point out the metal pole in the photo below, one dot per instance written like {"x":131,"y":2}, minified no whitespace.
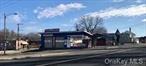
{"x":5,"y":33}
{"x":18,"y":34}
{"x":5,"y":36}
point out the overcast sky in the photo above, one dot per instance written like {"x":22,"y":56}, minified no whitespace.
{"x":37,"y":15}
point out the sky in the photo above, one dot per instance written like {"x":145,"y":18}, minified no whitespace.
{"x":37,"y":15}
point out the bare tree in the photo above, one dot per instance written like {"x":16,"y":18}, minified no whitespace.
{"x":33,"y":36}
{"x":11,"y":35}
{"x":90,"y":24}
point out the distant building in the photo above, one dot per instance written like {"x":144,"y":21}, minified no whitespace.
{"x":110,"y":39}
{"x":21,"y":44}
{"x":34,"y":43}
{"x":54,"y":38}
{"x":99,"y":40}
{"x":124,"y":38}
{"x":142,"y":39}
{"x":68,"y":39}
{"x":14,"y":45}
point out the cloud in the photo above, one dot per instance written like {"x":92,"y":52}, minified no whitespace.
{"x":144,"y":20}
{"x":136,"y":1}
{"x":139,"y":1}
{"x":33,"y":22}
{"x":118,"y":0}
{"x":29,"y":29}
{"x":66,"y":25}
{"x":16,"y":18}
{"x":74,"y":20}
{"x":37,"y":9}
{"x":125,"y":12}
{"x":56,"y":11}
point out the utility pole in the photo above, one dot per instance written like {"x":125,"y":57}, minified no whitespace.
{"x":5,"y":36}
{"x":18,"y":36}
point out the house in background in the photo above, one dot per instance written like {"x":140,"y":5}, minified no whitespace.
{"x":108,"y":39}
{"x":98,"y":40}
{"x":124,"y":38}
{"x":34,"y":43}
{"x":54,"y":38}
{"x":142,"y":39}
{"x":21,"y":44}
{"x":15,"y":45}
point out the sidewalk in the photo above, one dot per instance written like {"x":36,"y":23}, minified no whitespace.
{"x":125,"y":46}
{"x":50,"y":53}
{"x":9,"y":52}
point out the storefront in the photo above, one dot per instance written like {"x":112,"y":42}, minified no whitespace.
{"x":68,"y":39}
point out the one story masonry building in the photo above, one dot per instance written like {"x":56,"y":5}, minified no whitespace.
{"x":53,"y":38}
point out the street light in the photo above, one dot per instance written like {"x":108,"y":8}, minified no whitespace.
{"x":5,"y":35}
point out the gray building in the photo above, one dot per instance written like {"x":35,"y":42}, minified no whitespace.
{"x":68,"y":39}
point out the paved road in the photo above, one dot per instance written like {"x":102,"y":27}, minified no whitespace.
{"x":31,"y":61}
{"x":98,"y":58}
{"x":134,"y":57}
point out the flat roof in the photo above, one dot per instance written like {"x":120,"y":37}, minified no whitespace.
{"x":68,"y":33}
